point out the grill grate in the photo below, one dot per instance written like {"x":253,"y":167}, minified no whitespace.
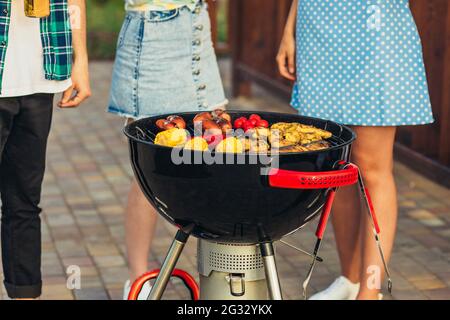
{"x":148,"y":133}
{"x":148,"y":136}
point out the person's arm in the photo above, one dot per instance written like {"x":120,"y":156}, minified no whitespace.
{"x":286,"y":53}
{"x":80,"y":70}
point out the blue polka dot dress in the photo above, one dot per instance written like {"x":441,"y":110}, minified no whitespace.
{"x":359,"y":62}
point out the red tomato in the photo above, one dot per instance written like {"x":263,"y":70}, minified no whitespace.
{"x":255,"y":116}
{"x":238,"y":123}
{"x":263,"y":124}
{"x":254,"y":122}
{"x":249,"y":123}
{"x":247,"y":126}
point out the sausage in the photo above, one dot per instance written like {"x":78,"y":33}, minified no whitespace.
{"x":224,"y":125}
{"x":165,"y":124}
{"x":177,"y":121}
{"x":211,"y":127}
{"x":203,"y":116}
{"x":221,"y":114}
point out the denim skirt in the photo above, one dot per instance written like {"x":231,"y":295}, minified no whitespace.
{"x":165,"y":63}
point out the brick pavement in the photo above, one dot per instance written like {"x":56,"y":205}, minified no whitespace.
{"x":85,"y":193}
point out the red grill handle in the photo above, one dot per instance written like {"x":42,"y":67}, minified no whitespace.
{"x":279,"y":178}
{"x":325,"y":214}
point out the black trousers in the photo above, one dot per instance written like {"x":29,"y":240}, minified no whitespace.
{"x":24,"y":128}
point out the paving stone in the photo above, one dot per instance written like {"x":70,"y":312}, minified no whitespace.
{"x":87,"y":271}
{"x":53,"y":293}
{"x":90,"y":280}
{"x":78,"y":261}
{"x":70,"y":248}
{"x":409,"y":295}
{"x":115,"y":294}
{"x":438,"y":294}
{"x":102,"y":249}
{"x":428,"y":284}
{"x":60,"y":220}
{"x":91,"y":294}
{"x":53,"y":270}
{"x":109,"y":261}
{"x":70,"y":232}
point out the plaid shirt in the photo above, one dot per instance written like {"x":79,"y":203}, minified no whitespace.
{"x":56,"y":37}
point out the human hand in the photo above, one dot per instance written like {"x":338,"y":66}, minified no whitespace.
{"x":286,"y":56}
{"x":80,"y":86}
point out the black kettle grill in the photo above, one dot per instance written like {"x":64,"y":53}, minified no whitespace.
{"x":240,"y":203}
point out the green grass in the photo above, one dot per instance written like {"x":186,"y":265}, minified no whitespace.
{"x":222,"y":22}
{"x":104,"y":19}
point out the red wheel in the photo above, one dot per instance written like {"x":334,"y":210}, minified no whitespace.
{"x":187,"y":279}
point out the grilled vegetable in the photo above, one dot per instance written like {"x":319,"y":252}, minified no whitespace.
{"x":256,"y":146}
{"x":319,"y":145}
{"x":197,"y":144}
{"x":172,"y":138}
{"x":230,"y":145}
{"x":291,"y":134}
{"x":302,"y":129}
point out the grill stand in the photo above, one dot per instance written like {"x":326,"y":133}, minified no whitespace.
{"x":175,"y":250}
{"x":231,"y":271}
{"x":168,"y":266}
{"x":270,"y":267}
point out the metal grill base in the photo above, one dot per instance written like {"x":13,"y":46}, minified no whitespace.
{"x":230,"y":258}
{"x":219,"y":263}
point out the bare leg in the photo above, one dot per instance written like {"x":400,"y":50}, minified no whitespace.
{"x":373,"y":153}
{"x":346,"y":220}
{"x":140,"y":227}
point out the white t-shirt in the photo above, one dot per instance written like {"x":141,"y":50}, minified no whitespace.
{"x":24,"y":62}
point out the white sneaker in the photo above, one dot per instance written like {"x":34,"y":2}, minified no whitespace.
{"x":340,"y":289}
{"x":143,"y":295}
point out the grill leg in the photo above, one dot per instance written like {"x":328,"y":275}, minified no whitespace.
{"x":169,"y":265}
{"x":270,"y":267}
